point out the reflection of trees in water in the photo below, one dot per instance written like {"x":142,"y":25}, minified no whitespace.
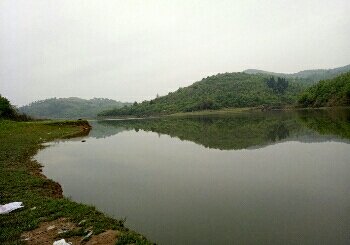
{"x":243,"y":130}
{"x":278,"y":132}
{"x":103,"y":130}
{"x":327,"y":122}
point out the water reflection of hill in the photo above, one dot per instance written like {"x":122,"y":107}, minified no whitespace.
{"x":334,"y":122}
{"x":103,"y":130}
{"x":241,"y":131}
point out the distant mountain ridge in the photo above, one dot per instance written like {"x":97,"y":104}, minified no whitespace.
{"x":310,"y":76}
{"x":71,"y":107}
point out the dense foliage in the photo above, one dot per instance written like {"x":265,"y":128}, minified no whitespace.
{"x":307,"y":76}
{"x":279,"y":86}
{"x":8,"y":111}
{"x":216,"y":92}
{"x":333,"y":92}
{"x":69,"y":107}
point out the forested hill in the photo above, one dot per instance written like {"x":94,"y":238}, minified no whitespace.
{"x":332,"y":92}
{"x":216,"y":92}
{"x":309,"y":76}
{"x":69,"y":107}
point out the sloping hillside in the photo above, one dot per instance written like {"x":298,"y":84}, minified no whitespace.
{"x":69,"y":107}
{"x":333,"y":92}
{"x":309,"y":76}
{"x":216,"y":92}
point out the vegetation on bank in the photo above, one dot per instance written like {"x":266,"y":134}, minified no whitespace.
{"x":217,"y":92}
{"x":72,"y":108}
{"x":21,"y":180}
{"x":8,"y":111}
{"x":224,"y":111}
{"x":333,"y":92}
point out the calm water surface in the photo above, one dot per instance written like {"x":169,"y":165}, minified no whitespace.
{"x":254,"y":178}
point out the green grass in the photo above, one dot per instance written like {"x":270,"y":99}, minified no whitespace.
{"x":20,"y":180}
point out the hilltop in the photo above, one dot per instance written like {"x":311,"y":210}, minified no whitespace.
{"x":309,"y":76}
{"x":216,"y":92}
{"x":332,"y":92}
{"x":69,"y":107}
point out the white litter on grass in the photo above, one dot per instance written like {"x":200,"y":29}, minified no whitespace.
{"x":61,"y":242}
{"x":9,"y":207}
{"x":62,"y":231}
{"x":51,"y":227}
{"x":82,"y":222}
{"x":88,"y":235}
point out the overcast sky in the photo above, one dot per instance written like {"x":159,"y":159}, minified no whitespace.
{"x":131,"y":50}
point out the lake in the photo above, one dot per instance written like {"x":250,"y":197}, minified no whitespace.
{"x":249,"y":178}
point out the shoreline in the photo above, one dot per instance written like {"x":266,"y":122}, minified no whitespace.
{"x":224,"y":111}
{"x":21,"y":179}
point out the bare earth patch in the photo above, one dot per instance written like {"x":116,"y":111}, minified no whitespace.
{"x":108,"y":237}
{"x":48,"y":232}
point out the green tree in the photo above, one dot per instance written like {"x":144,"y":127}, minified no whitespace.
{"x":332,"y":92}
{"x":6,"y":109}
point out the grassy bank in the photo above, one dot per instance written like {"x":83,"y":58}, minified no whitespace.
{"x":214,"y":112}
{"x":228,"y":111}
{"x":21,"y":180}
{"x":193,"y":113}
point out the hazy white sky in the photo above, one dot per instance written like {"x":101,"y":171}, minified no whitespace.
{"x":131,"y":50}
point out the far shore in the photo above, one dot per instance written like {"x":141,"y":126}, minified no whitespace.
{"x":224,"y":111}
